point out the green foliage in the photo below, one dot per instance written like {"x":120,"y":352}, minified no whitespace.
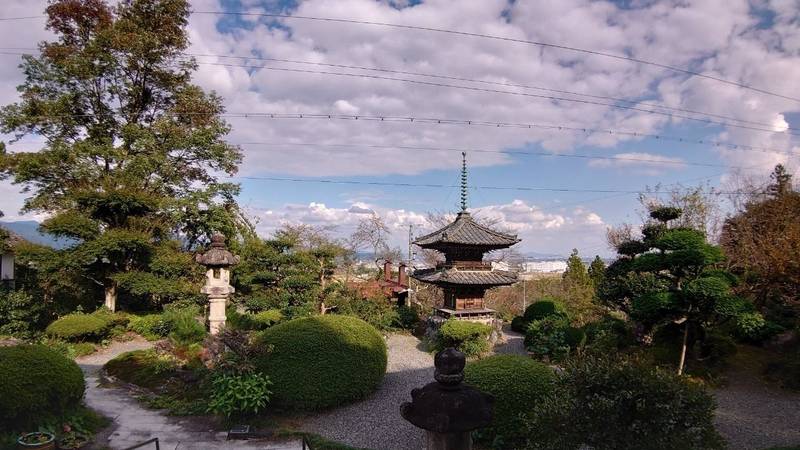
{"x":519,"y":324}
{"x":608,"y":404}
{"x":576,"y":272}
{"x":249,"y":321}
{"x":145,"y":368}
{"x":471,"y":338}
{"x":322,"y":361}
{"x":37,"y":383}
{"x":546,"y":307}
{"x":140,"y":166}
{"x":184,"y":327}
{"x":753,"y":327}
{"x":407,"y":318}
{"x":597,"y":271}
{"x":547,"y":337}
{"x":150,"y":326}
{"x":79,"y":327}
{"x":21,"y":314}
{"x":376,"y":311}
{"x":666,"y":213}
{"x":517,"y":383}
{"x":239,"y":394}
{"x":607,"y":336}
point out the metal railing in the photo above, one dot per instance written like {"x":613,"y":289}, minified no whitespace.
{"x":142,"y":444}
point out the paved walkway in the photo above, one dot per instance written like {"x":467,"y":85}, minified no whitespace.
{"x":134,"y":424}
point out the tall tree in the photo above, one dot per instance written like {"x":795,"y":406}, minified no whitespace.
{"x":132,"y":149}
{"x":597,"y":270}
{"x":670,"y":276}
{"x":576,"y":273}
{"x":762,"y":244}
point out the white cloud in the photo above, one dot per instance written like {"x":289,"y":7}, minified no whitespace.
{"x":647,"y":163}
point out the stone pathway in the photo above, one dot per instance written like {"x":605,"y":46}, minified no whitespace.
{"x":376,"y":422}
{"x":134,"y":424}
{"x":511,"y":343}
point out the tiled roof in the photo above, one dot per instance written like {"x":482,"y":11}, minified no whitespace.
{"x":466,"y":277}
{"x":465,"y":231}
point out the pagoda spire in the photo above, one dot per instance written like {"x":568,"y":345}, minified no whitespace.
{"x":463,"y":181}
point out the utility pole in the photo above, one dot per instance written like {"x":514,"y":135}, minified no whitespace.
{"x":410,"y":263}
{"x":524,"y":286}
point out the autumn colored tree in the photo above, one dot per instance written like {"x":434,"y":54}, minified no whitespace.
{"x":132,"y":148}
{"x":671,"y":276}
{"x":762,"y":243}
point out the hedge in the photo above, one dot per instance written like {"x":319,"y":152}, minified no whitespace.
{"x":322,"y":361}
{"x":516,"y":382}
{"x":79,"y":327}
{"x":36,"y":383}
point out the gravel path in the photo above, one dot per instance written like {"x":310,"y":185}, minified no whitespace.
{"x":376,"y":422}
{"x":753,"y":415}
{"x":511,"y":342}
{"x":134,"y":424}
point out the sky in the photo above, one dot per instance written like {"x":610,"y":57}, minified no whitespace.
{"x":534,"y":181}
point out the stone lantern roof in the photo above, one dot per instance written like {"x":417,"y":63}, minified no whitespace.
{"x":218,"y":255}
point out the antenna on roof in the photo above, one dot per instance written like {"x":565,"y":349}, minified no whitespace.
{"x":463,"y":181}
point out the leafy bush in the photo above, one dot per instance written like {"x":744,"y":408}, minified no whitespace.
{"x":407,"y":318}
{"x":608,"y":404}
{"x":471,"y":338}
{"x":516,"y":382}
{"x":258,"y":321}
{"x":322,"y":361}
{"x":519,"y":324}
{"x":145,"y":368}
{"x":608,"y":335}
{"x":546,"y":307}
{"x":36,"y":382}
{"x":753,"y":327}
{"x":21,"y":315}
{"x":376,"y":311}
{"x":547,"y":337}
{"x":150,"y":326}
{"x":184,"y":327}
{"x":79,"y":327}
{"x":239,"y":394}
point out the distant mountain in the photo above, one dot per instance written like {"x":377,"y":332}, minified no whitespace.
{"x":29,"y":229}
{"x":536,"y":256}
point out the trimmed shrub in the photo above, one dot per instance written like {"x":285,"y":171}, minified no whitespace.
{"x":258,"y":321}
{"x":471,"y":338}
{"x":547,"y":337}
{"x":544,"y":308}
{"x":79,"y":327}
{"x":322,"y":361}
{"x":516,"y":382}
{"x":407,"y":318}
{"x":607,"y":404}
{"x":144,"y":368}
{"x":36,"y":382}
{"x":519,"y":324}
{"x":753,"y":327}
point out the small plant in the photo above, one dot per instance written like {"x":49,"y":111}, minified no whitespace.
{"x":185,"y":329}
{"x":239,"y":394}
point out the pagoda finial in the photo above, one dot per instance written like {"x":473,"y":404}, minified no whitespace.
{"x":463,"y":181}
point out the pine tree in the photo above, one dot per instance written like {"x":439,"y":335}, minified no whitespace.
{"x":133,"y":148}
{"x":597,"y":270}
{"x":576,"y":273}
{"x":781,"y":182}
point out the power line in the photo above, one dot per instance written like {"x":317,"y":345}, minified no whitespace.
{"x":499,"y":91}
{"x":467,"y":122}
{"x":507,"y":39}
{"x":504,"y":152}
{"x":21,"y":18}
{"x":634,"y":104}
{"x":472,"y":80}
{"x":440,"y":186}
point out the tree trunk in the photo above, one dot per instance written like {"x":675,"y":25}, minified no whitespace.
{"x":111,"y":296}
{"x":683,"y":347}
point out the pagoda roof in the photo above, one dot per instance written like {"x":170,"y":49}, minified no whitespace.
{"x":466,"y":277}
{"x":465,"y":231}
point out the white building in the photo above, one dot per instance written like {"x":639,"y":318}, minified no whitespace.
{"x":552,"y":266}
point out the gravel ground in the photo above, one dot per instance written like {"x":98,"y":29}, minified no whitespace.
{"x":376,"y":422}
{"x":753,"y":415}
{"x":511,"y":342}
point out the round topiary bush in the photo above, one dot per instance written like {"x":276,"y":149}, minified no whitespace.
{"x":36,"y":383}
{"x":471,"y":338}
{"x":322,"y":361}
{"x":516,"y":382}
{"x":79,"y":327}
{"x":543,"y":308}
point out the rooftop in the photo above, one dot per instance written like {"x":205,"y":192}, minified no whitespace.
{"x":465,"y":231}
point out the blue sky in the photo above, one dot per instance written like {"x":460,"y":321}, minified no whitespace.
{"x":750,"y":42}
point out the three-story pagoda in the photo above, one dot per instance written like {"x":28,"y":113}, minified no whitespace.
{"x":464,"y":276}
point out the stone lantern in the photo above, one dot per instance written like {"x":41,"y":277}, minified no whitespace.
{"x":448,"y":409}
{"x":218,"y":260}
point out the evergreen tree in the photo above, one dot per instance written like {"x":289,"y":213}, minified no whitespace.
{"x":781,"y":182}
{"x":597,"y":270}
{"x":671,"y":276}
{"x":576,"y":273}
{"x":132,"y":150}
